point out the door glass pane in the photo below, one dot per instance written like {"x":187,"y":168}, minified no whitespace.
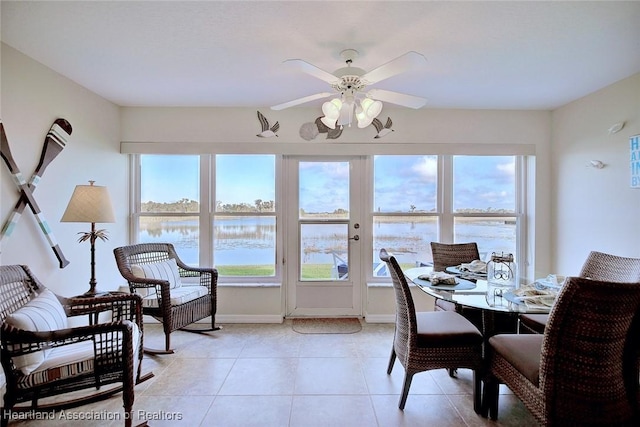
{"x":324,"y":251}
{"x":405,"y":183}
{"x":484,"y":184}
{"x":408,"y":238}
{"x":324,"y":190}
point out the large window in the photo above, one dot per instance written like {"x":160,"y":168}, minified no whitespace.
{"x":169,"y":203}
{"x":405,"y":213}
{"x":224,"y":209}
{"x":414,"y":203}
{"x":244,"y":218}
{"x":485,"y":203}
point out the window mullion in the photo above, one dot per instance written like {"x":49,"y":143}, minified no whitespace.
{"x":445,"y":190}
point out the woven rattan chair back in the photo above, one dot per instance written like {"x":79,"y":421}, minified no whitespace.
{"x":597,"y":266}
{"x":448,"y":254}
{"x":448,"y":340}
{"x":406,"y":326}
{"x":173,"y":317}
{"x":612,"y":268}
{"x":113,"y":360}
{"x":589,"y":370}
{"x":589,"y":358}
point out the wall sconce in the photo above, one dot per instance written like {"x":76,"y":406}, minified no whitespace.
{"x":616,"y":128}
{"x":596,"y":164}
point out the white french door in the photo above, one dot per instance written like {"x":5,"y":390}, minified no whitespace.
{"x":324,"y":230}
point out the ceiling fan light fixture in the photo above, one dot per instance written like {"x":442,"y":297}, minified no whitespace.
{"x":370,"y":110}
{"x":331,"y":110}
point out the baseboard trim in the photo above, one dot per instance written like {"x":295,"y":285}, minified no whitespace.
{"x":249,"y":318}
{"x":380,"y":318}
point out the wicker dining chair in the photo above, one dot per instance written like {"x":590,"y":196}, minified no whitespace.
{"x":155,"y":272}
{"x":430,"y":340}
{"x":597,"y":266}
{"x":44,"y":356}
{"x":583,"y":371}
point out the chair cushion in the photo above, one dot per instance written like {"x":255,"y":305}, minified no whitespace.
{"x":535,"y":322}
{"x":445,"y":328}
{"x":71,"y":360}
{"x":521,"y":351}
{"x":41,"y":314}
{"x":179,"y":296}
{"x":163,"y":270}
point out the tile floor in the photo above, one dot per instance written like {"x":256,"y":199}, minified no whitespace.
{"x":268,"y":375}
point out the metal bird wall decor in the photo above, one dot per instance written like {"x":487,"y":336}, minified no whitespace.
{"x":267,"y":132}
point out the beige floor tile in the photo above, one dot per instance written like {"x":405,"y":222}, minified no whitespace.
{"x":379,"y":382}
{"x":321,"y":376}
{"x":265,"y":376}
{"x":249,"y":411}
{"x":268,"y":375}
{"x":196,"y":377}
{"x":332,"y":411}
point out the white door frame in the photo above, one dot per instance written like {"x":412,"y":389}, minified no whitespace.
{"x":332,"y":297}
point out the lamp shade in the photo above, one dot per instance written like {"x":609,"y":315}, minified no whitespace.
{"x":89,"y":203}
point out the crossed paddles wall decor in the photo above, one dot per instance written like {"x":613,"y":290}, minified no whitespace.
{"x":54,"y":142}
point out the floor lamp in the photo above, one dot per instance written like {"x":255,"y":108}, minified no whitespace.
{"x":90,"y":203}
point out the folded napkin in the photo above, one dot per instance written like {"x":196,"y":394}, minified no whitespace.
{"x":475,"y":266}
{"x":534,"y":297}
{"x":439,"y":278}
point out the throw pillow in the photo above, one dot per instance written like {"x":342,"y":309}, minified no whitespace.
{"x":164,"y":270}
{"x":43,"y":313}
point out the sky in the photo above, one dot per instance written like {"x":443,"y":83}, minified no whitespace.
{"x":402,"y":182}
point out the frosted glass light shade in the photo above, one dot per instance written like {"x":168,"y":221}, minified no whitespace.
{"x":89,"y":203}
{"x":370,"y":110}
{"x":331,"y":111}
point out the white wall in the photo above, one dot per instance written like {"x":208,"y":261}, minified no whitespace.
{"x":595,"y":209}
{"x":33,"y":96}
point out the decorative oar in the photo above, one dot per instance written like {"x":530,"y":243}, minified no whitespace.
{"x":54,"y":143}
{"x":26,"y":193}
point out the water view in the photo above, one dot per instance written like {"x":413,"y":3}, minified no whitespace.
{"x":243,"y":242}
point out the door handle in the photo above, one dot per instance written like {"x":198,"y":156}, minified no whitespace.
{"x":356,"y":238}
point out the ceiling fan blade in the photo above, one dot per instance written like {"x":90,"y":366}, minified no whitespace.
{"x":397,"y":98}
{"x":393,"y":67}
{"x":312,"y":70}
{"x":302,"y":100}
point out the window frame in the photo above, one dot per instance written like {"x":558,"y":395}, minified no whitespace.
{"x":525,"y":189}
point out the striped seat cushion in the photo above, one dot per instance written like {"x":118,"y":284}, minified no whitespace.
{"x":71,"y":360}
{"x":41,"y":314}
{"x":178,"y":295}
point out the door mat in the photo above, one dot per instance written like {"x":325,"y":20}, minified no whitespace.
{"x":327,"y":325}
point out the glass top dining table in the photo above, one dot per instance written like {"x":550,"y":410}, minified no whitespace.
{"x":469,"y":291}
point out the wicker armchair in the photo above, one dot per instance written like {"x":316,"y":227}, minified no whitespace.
{"x":42,"y":356}
{"x":155,"y":271}
{"x":597,"y":266}
{"x":430,"y":340}
{"x":584,"y":369}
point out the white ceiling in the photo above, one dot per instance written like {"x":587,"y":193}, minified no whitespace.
{"x":498,"y":55}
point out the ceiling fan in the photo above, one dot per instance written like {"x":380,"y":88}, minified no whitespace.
{"x":350,"y":82}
